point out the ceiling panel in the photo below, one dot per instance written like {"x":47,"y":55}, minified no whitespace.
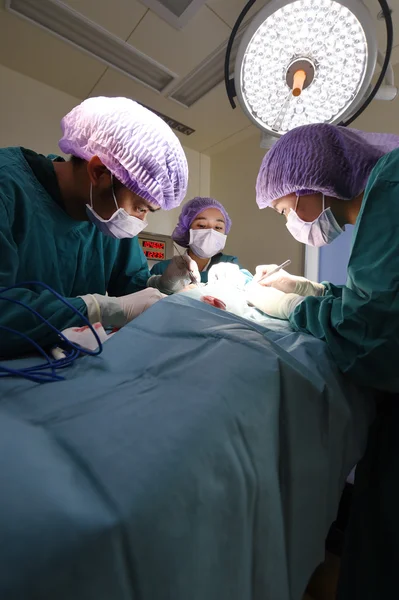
{"x":248,"y":132}
{"x":212,"y":117}
{"x":228,"y":10}
{"x":182,"y":50}
{"x":119,"y":16}
{"x":44,"y":57}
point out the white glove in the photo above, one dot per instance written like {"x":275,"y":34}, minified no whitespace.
{"x":290,"y":284}
{"x":176,"y":275}
{"x":226,"y":273}
{"x":116,"y":312}
{"x":271,"y":301}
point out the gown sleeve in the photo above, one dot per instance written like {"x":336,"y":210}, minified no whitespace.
{"x":333,"y":290}
{"x":20,"y":318}
{"x":130,"y":273}
{"x":360,"y":321}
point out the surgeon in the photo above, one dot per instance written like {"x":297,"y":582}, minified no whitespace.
{"x":202,"y":229}
{"x":74,"y":224}
{"x":320,"y":178}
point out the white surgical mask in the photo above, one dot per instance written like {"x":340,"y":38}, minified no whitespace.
{"x":120,"y":225}
{"x":319,"y":232}
{"x":205,"y":243}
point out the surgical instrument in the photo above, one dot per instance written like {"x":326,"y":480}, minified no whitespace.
{"x":192,"y":276}
{"x":273,"y":271}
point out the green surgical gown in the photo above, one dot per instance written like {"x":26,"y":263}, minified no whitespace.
{"x":40,"y":242}
{"x":360,"y":321}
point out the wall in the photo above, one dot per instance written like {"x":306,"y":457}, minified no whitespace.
{"x":30,"y":115}
{"x":257,"y":237}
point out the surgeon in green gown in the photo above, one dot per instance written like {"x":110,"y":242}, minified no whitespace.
{"x":73,"y":224}
{"x":320,"y":178}
{"x":202,"y":229}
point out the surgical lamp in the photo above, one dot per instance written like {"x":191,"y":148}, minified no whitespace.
{"x":308,"y":61}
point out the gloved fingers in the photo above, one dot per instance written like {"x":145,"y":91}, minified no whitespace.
{"x":135,"y":304}
{"x":271,"y":301}
{"x":153,"y":298}
{"x":263,"y":298}
{"x":273,"y":279}
{"x":177,"y":273}
{"x":282,"y":281}
{"x":262,"y":271}
{"x":177,"y":266}
{"x":182,"y":262}
{"x":293,"y":284}
{"x":158,"y":294}
{"x":146,"y":293}
{"x":193,"y":268}
{"x":279,"y":275}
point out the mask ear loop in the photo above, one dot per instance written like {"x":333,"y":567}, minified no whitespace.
{"x":113,"y":192}
{"x":323,"y":203}
{"x":296,"y":203}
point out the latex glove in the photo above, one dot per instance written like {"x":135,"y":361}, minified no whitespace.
{"x":271,"y":301}
{"x":135,"y":304}
{"x":116,"y":312}
{"x":290,"y":284}
{"x":227,"y":273}
{"x":176,"y":275}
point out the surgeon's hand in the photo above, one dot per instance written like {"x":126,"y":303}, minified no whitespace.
{"x":290,"y":284}
{"x":271,"y":301}
{"x":135,"y":304}
{"x":116,"y":312}
{"x":176,"y":275}
{"x":226,"y":273}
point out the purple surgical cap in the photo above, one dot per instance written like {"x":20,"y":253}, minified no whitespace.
{"x":181,"y":233}
{"x":335,"y":161}
{"x":138,"y":148}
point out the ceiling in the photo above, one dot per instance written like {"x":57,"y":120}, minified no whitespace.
{"x":33,"y":51}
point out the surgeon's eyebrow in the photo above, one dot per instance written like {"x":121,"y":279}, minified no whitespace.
{"x":148,"y":207}
{"x":205,"y":219}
